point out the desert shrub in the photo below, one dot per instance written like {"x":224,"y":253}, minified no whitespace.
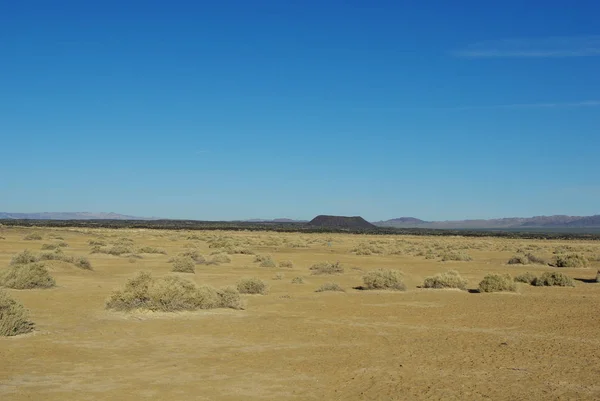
{"x":152,"y":249}
{"x":28,"y":276}
{"x":118,"y":250}
{"x":49,"y":247}
{"x":170,"y":294}
{"x":456,"y":256}
{"x":527,"y":277}
{"x":569,"y":260}
{"x":329,"y":287}
{"x":62,"y":244}
{"x":554,"y":279}
{"x":220,"y":258}
{"x":268,"y":262}
{"x":261,"y":258}
{"x":82,"y":263}
{"x":93,"y":242}
{"x":327,"y":268}
{"x":384,"y":279}
{"x":298,"y":280}
{"x":252,"y":286}
{"x":526,"y":259}
{"x":449,"y":279}
{"x":286,"y":263}
{"x":13,"y":317}
{"x":32,"y":237}
{"x":497,"y":283}
{"x":184,"y":265}
{"x":279,"y":276}
{"x":23,"y":258}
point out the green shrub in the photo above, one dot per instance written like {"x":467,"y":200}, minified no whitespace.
{"x":23,"y":258}
{"x":327,"y":268}
{"x":449,"y":279}
{"x":554,"y":279}
{"x":13,"y":317}
{"x":152,"y":249}
{"x":570,"y":260}
{"x":28,"y":276}
{"x":286,"y":263}
{"x":298,"y":280}
{"x":456,"y":256}
{"x":497,"y":283}
{"x":384,"y":279}
{"x":527,"y":277}
{"x":252,"y":286}
{"x":184,"y":265}
{"x":32,"y":237}
{"x":170,"y":294}
{"x":330,"y":287}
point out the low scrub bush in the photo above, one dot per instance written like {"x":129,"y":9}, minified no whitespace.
{"x":384,"y":279}
{"x":23,"y":258}
{"x":152,"y":249}
{"x":286,"y":263}
{"x":268,"y":262}
{"x":526,"y":259}
{"x":49,"y":247}
{"x":449,"y":279}
{"x":14,"y":319}
{"x":327,"y":268}
{"x":170,"y":294}
{"x":32,"y":237}
{"x":252,"y":286}
{"x":456,"y":256}
{"x":329,"y":287}
{"x":220,"y":258}
{"x":261,"y":258}
{"x":298,"y":280}
{"x":82,"y":263}
{"x":497,"y":283}
{"x":184,"y":264}
{"x":570,"y":260}
{"x":94,"y":242}
{"x":554,"y":279}
{"x":279,"y":276}
{"x":528,"y":278}
{"x":25,"y":277}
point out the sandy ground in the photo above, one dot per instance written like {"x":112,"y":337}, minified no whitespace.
{"x":294,"y":343}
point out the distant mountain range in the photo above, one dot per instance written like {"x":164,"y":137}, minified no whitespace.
{"x":71,"y":216}
{"x":557,"y":221}
{"x":282,"y":220}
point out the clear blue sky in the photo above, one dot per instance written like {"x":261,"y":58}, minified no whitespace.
{"x":246,"y":109}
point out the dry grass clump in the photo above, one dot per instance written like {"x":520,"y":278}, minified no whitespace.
{"x":170,"y":294}
{"x":82,"y":263}
{"x":268,"y":262}
{"x":279,"y":276}
{"x":497,"y":283}
{"x":298,"y":280}
{"x":115,"y":250}
{"x":456,"y":256}
{"x":569,"y":260}
{"x":13,"y":317}
{"x":286,"y":263}
{"x":327,"y":268}
{"x":252,"y":285}
{"x":152,"y":249}
{"x":330,"y":287}
{"x":94,"y":242}
{"x":528,"y":278}
{"x":384,"y":279}
{"x":526,"y":259}
{"x":449,"y":279}
{"x":184,"y":264}
{"x":365,"y":248}
{"x":190,"y":253}
{"x":554,"y":279}
{"x":220,"y":258}
{"x":24,"y":257}
{"x":26,"y":276}
{"x":49,"y":247}
{"x":32,"y":237}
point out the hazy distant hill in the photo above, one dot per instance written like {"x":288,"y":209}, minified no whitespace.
{"x":355,"y":222}
{"x":509,"y":222}
{"x":71,"y":216}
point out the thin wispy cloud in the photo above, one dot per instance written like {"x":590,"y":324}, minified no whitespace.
{"x":568,"y":46}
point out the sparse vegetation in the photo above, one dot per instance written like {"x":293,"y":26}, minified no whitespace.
{"x":82,"y":263}
{"x":194,"y":254}
{"x":23,"y":258}
{"x":298,"y":280}
{"x":456,"y":256}
{"x":26,"y":276}
{"x":252,"y":285}
{"x":152,"y":249}
{"x":327,"y":268}
{"x":14,"y":319}
{"x":449,"y":279}
{"x":220,"y":258}
{"x":384,"y":279}
{"x":569,"y":260}
{"x":279,"y":276}
{"x":268,"y":262}
{"x":330,"y":287}
{"x":93,"y":242}
{"x":32,"y":237}
{"x":170,"y":294}
{"x":286,"y":263}
{"x":497,"y":283}
{"x":528,"y":278}
{"x":184,"y":264}
{"x":554,"y":279}
{"x":526,"y":259}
